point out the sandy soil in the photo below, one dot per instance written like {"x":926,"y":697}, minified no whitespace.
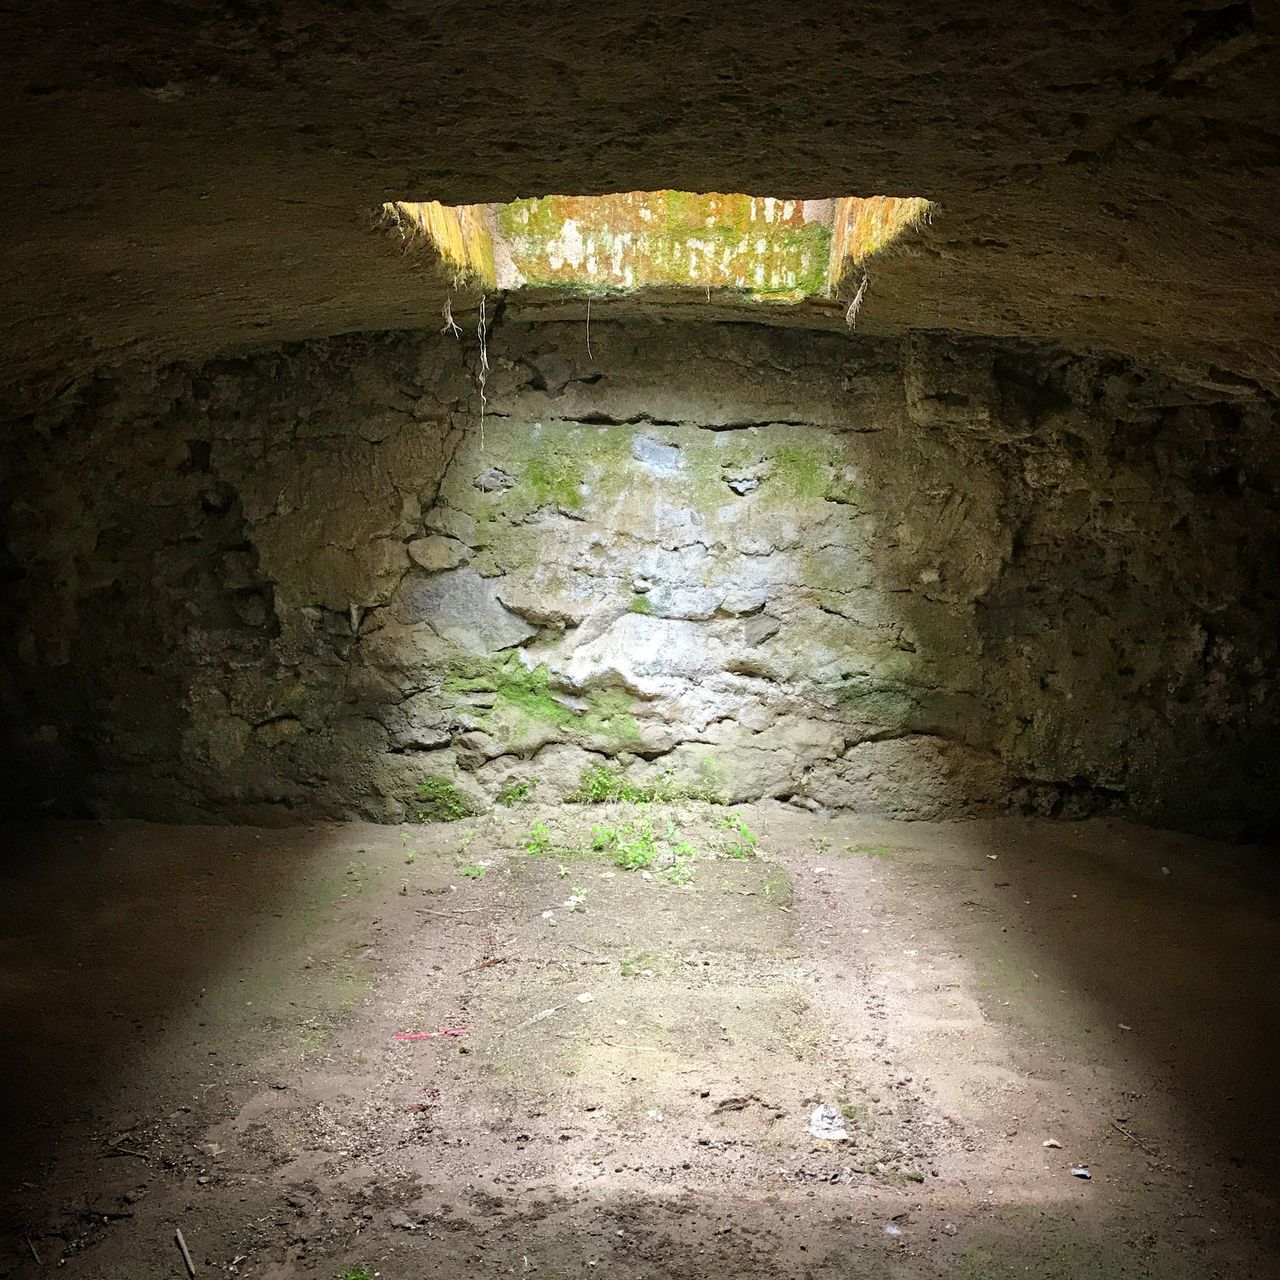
{"x":200,"y":1026}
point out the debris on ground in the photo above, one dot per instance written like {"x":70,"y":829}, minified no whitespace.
{"x":431,"y":1035}
{"x":541,"y":1016}
{"x":826,"y":1123}
{"x":186,"y":1256}
{"x":1081,"y":1172}
{"x":1051,"y":1142}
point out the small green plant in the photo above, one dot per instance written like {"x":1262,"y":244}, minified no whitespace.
{"x":645,"y":964}
{"x":604,"y":784}
{"x":441,"y":801}
{"x":357,"y":1273}
{"x":513,"y":793}
{"x":869,"y":850}
{"x":410,"y":853}
{"x":820,"y":843}
{"x":474,"y":872}
{"x":632,"y":846}
{"x":538,"y":841}
{"x":601,"y":784}
{"x":679,"y":872}
{"x":742,"y":842}
{"x":776,"y":888}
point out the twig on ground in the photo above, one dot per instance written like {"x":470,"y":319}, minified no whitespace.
{"x":186,"y":1257}
{"x":34,"y":1253}
{"x":541,"y":1016}
{"x":1136,"y":1140}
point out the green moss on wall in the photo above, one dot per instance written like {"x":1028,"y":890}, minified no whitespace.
{"x":553,"y":480}
{"x":608,"y":715}
{"x":524,"y":702}
{"x":799,"y":471}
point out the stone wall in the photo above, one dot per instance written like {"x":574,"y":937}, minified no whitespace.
{"x":923,"y":578}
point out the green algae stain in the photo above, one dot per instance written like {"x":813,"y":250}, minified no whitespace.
{"x":552,"y":481}
{"x":608,"y":715}
{"x":799,"y":471}
{"x":524,"y":703}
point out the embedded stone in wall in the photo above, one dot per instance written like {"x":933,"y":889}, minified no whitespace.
{"x":436,"y":553}
{"x":463,"y":607}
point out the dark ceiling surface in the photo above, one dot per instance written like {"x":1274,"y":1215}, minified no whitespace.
{"x":187,"y":179}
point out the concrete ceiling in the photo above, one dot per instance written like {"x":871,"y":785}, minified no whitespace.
{"x":188,"y":178}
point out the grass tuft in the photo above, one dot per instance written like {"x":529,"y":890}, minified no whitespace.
{"x":439,"y":800}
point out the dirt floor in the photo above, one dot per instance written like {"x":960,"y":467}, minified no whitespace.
{"x":199,"y":1025}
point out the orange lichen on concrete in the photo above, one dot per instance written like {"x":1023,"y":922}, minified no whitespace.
{"x":460,"y":233}
{"x":861,"y":227}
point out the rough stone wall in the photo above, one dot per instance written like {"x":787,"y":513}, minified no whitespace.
{"x":922,"y":578}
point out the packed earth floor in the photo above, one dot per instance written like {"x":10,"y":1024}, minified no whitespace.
{"x":200,"y":1030}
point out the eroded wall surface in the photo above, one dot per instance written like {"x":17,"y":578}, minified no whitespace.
{"x":926,"y":578}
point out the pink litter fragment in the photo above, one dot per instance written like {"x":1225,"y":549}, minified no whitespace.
{"x":431,"y":1035}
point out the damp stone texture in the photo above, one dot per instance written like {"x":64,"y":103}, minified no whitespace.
{"x":924,"y":578}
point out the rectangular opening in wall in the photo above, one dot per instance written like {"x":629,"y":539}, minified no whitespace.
{"x":779,"y":250}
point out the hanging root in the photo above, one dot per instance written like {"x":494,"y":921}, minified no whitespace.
{"x":450,"y":324}
{"x":851,"y":312}
{"x":588,"y":328}
{"x":482,"y":371}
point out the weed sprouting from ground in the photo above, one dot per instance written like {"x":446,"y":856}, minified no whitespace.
{"x":601,"y":784}
{"x":679,"y":872}
{"x":650,"y":842}
{"x":410,"y":853}
{"x":742,"y":840}
{"x":513,"y":793}
{"x":538,"y":841}
{"x":357,"y":1273}
{"x":870,"y":850}
{"x":474,"y":872}
{"x":439,"y":800}
{"x":635,"y":846}
{"x":605,"y":784}
{"x":631,"y":845}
